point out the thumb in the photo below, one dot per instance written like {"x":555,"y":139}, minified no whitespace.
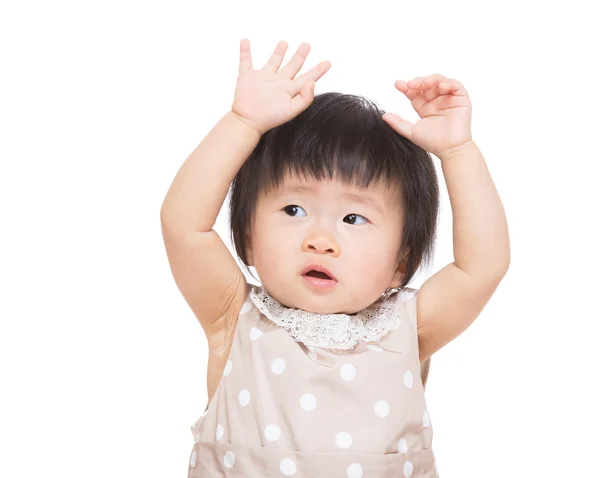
{"x":399,"y":125}
{"x":303,"y":100}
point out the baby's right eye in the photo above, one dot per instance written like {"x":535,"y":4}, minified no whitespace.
{"x":291,"y":210}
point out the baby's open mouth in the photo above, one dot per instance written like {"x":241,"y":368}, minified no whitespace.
{"x":318,"y":275}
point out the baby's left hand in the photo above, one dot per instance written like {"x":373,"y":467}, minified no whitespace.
{"x":445,"y":110}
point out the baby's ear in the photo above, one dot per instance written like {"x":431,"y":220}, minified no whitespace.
{"x":403,"y":263}
{"x":399,"y":273}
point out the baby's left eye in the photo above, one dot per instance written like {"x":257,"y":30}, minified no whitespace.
{"x":354,"y":217}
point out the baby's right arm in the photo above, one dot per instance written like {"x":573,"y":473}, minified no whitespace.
{"x":203,"y":268}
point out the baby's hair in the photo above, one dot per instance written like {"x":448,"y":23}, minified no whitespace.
{"x":341,"y":136}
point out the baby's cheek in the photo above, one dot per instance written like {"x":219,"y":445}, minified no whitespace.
{"x":363,"y":267}
{"x":374,"y":256}
{"x":372,"y":267}
{"x":272,"y":259}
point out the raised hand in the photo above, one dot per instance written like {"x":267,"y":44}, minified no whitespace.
{"x":445,"y":110}
{"x":271,"y":96}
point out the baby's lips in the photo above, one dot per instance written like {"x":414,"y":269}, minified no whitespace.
{"x":318,"y":268}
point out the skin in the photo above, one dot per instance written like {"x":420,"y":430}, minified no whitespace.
{"x":361,"y":251}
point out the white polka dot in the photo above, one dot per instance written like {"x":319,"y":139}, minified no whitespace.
{"x":228,"y":367}
{"x":272,"y":433}
{"x":426,"y":420}
{"x":193,"y":458}
{"x":255,"y":333}
{"x":287,"y":467}
{"x":408,"y":469}
{"x":343,"y":440}
{"x":354,"y":471}
{"x":219,"y":432}
{"x":402,"y":446}
{"x":382,"y":409}
{"x":348,"y":372}
{"x":308,"y":402}
{"x":278,"y":366}
{"x":229,"y":459}
{"x":244,"y":397}
{"x":311,"y":353}
{"x":246,"y":307}
{"x":374,"y":348}
{"x":408,"y":379}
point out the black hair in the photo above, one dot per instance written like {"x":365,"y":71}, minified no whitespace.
{"x":342,"y":136}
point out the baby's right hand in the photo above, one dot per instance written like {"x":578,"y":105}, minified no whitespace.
{"x":266,"y":98}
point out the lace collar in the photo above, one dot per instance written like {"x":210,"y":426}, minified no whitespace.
{"x":332,"y":331}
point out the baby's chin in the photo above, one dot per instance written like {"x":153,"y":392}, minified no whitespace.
{"x":335,"y":302}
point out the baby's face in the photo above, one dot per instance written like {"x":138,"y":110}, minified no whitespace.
{"x":354,"y":233}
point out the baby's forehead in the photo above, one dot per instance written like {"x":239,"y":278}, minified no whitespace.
{"x":295,"y":184}
{"x":381,"y":195}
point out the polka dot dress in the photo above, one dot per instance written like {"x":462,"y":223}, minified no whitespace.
{"x":283,"y":408}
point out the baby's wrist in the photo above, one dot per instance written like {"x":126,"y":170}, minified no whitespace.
{"x":249,"y":124}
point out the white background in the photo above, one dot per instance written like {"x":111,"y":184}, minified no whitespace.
{"x":103,"y":364}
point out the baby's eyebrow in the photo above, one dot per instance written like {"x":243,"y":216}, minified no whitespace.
{"x":365,"y":199}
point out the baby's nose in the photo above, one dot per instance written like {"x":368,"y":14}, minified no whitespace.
{"x":322,"y":245}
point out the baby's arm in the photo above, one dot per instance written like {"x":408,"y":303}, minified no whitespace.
{"x":450,"y":300}
{"x":205,"y":272}
{"x":203,"y":268}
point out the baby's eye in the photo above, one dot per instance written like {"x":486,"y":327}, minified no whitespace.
{"x":291,"y":210}
{"x":353,"y":218}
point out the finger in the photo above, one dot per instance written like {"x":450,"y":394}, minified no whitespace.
{"x":314,"y":74}
{"x":245,"y":55}
{"x":429,"y":86}
{"x":303,"y":100}
{"x":416,"y":97}
{"x":438,"y":85}
{"x":442,"y":86}
{"x":399,"y":125}
{"x":276,"y":58}
{"x":295,"y":64}
{"x":453,"y":86}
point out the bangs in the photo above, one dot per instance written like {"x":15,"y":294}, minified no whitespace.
{"x":339,"y":140}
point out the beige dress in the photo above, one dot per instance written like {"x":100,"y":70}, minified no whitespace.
{"x":318,"y":395}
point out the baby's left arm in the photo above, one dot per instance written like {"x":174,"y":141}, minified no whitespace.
{"x":450,"y":300}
